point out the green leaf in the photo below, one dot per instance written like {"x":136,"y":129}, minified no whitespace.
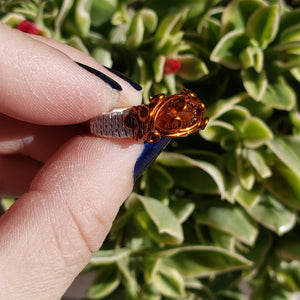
{"x":290,"y":35}
{"x":103,"y":56}
{"x":170,"y":82}
{"x":289,"y":274}
{"x":293,"y":50}
{"x":61,"y":16}
{"x":254,"y":83}
{"x":257,"y":109}
{"x":7,"y":202}
{"x":288,"y":19}
{"x":229,"y":219}
{"x":236,"y":116}
{"x":263,"y":25}
{"x":288,"y":57}
{"x":228,"y":49}
{"x":12,"y":19}
{"x":104,"y":257}
{"x":169,"y":282}
{"x":223,"y":106}
{"x":255,"y":132}
{"x":248,"y":198}
{"x":194,"y":179}
{"x":146,"y":79}
{"x":273,"y":215}
{"x":258,"y":163}
{"x":151,"y":265}
{"x":82,"y":16}
{"x":144,"y":21}
{"x":158,"y":67}
{"x":166,"y":227}
{"x":216,"y":130}
{"x":118,"y":224}
{"x":222,"y":239}
{"x":181,"y":161}
{"x":258,"y":60}
{"x":238,"y":12}
{"x":182,"y":209}
{"x":288,"y":151}
{"x":210,"y":29}
{"x":200,"y":261}
{"x":76,"y":42}
{"x":168,"y":27}
{"x":158,"y":182}
{"x":247,"y":57}
{"x":295,"y":73}
{"x":244,"y":171}
{"x":295,"y":118}
{"x":146,"y":292}
{"x":144,"y":221}
{"x":279,"y":95}
{"x":284,"y":184}
{"x":229,"y":142}
{"x":192,"y":67}
{"x":195,"y":284}
{"x":129,"y":278}
{"x":102,"y":10}
{"x":107,"y":280}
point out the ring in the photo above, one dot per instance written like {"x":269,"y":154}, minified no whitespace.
{"x":170,"y":116}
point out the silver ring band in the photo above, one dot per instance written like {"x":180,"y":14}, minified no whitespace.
{"x":112,"y":125}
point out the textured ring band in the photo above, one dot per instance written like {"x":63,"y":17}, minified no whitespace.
{"x":171,"y":116}
{"x":112,"y":125}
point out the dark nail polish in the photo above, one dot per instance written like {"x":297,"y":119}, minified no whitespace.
{"x":2,"y":211}
{"x":149,"y":153}
{"x":122,"y":76}
{"x":102,"y":76}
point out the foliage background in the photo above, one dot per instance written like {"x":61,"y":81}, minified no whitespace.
{"x":217,"y":210}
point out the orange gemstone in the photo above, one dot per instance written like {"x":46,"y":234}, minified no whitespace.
{"x":173,"y":116}
{"x":178,"y":115}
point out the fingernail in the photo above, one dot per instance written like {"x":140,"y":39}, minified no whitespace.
{"x":114,"y":85}
{"x":122,"y":76}
{"x":2,"y":211}
{"x":149,"y":153}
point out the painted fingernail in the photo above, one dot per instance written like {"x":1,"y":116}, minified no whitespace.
{"x":2,"y":211}
{"x":122,"y":76}
{"x":114,"y":85}
{"x":149,"y":153}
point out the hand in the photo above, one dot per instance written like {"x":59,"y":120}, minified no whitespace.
{"x":70,"y":184}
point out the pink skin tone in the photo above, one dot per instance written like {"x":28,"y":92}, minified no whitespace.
{"x":70,"y":186}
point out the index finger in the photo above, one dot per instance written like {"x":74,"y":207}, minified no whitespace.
{"x":43,"y":85}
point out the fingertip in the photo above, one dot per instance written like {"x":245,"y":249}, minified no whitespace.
{"x":41,"y":84}
{"x":131,"y":93}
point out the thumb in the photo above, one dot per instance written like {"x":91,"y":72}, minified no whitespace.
{"x":48,"y":235}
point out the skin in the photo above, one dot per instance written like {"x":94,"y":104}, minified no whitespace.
{"x":70,"y":185}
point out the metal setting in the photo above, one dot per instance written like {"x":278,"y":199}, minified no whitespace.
{"x":172,"y":116}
